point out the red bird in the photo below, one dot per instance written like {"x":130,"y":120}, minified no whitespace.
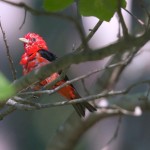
{"x":37,"y":55}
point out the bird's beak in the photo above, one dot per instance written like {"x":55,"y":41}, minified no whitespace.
{"x":24,"y":40}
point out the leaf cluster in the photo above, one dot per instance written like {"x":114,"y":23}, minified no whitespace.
{"x":102,"y":9}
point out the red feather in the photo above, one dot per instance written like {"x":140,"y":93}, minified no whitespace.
{"x":37,"y":55}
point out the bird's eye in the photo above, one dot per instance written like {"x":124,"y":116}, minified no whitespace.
{"x":33,"y":39}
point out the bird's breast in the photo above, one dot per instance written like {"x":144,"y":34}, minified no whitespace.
{"x":33,"y":61}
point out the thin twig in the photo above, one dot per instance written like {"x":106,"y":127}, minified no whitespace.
{"x":69,"y":59}
{"x":147,"y":12}
{"x":22,"y":106}
{"x":26,"y":100}
{"x":24,"y":19}
{"x":73,"y":80}
{"x":75,"y":127}
{"x":62,"y":75}
{"x":58,"y":15}
{"x":119,"y":30}
{"x":90,"y":35}
{"x":116,"y":74}
{"x":114,"y":135}
{"x":11,"y":102}
{"x":124,"y":28}
{"x":13,"y":70}
{"x":84,"y":44}
{"x":135,"y":17}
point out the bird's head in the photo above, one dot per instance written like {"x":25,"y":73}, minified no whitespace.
{"x":33,"y":43}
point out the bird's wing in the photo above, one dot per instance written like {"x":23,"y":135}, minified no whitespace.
{"x":47,"y":55}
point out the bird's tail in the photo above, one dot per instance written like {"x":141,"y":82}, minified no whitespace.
{"x":80,"y":108}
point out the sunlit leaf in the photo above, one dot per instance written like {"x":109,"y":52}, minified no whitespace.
{"x":5,"y":89}
{"x":56,"y":5}
{"x":102,"y":9}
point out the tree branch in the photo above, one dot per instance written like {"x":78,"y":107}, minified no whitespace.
{"x":68,"y":60}
{"x":7,"y":111}
{"x":71,"y":131}
{"x":69,"y":134}
{"x":61,"y":16}
{"x":70,"y":81}
{"x":107,"y":94}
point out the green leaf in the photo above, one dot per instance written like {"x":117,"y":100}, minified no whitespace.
{"x":56,"y":5}
{"x":102,"y":9}
{"x":5,"y":89}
